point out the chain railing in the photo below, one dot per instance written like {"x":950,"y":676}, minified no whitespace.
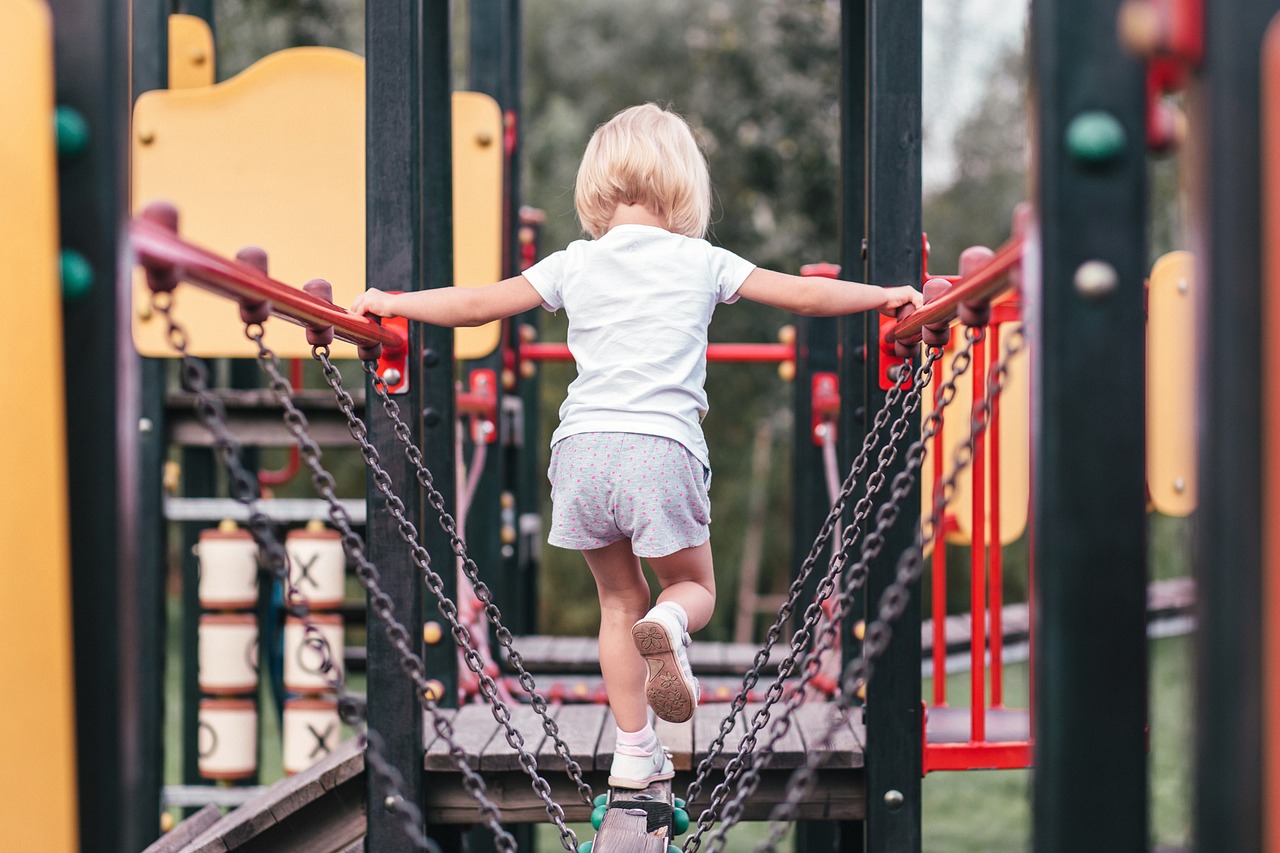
{"x":448,"y":608}
{"x":244,"y":488}
{"x":482,"y":592}
{"x":893,"y":601}
{"x":886,"y":517}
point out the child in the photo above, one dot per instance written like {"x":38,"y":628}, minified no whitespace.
{"x":629,"y":466}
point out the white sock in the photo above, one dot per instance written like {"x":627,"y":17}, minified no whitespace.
{"x":681,"y":616}
{"x":642,"y":742}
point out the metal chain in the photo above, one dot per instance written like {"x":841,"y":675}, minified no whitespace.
{"x":380,"y":603}
{"x":752,"y":676}
{"x":894,"y":599}
{"x":811,"y":658}
{"x":448,"y":608}
{"x":244,"y":488}
{"x":481,"y":589}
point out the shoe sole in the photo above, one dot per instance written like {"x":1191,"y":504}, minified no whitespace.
{"x":670,"y":695}
{"x":639,"y":784}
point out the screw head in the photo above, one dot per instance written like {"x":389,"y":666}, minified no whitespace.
{"x":894,"y":799}
{"x":1096,"y":279}
{"x":391,"y":376}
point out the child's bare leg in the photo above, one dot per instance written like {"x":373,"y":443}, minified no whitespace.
{"x":624,"y":598}
{"x":688,"y":579}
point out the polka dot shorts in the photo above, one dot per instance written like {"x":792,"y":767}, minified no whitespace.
{"x":607,"y":486}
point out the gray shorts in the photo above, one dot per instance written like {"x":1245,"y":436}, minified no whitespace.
{"x":607,"y":486}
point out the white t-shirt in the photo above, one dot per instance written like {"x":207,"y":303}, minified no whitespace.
{"x":639,"y":300}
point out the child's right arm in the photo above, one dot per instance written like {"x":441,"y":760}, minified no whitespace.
{"x":452,"y":306}
{"x":814,"y":296}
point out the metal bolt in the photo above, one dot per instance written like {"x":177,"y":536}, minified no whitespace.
{"x":636,"y":812}
{"x":145,"y":425}
{"x":431,"y":416}
{"x":390,"y":802}
{"x":431,"y":633}
{"x":484,"y":138}
{"x":1179,"y":485}
{"x":430,"y":358}
{"x":146,"y":136}
{"x":435,"y":690}
{"x":1096,"y":279}
{"x":1095,"y":138}
{"x":894,"y":799}
{"x":391,"y":376}
{"x":1183,"y":285}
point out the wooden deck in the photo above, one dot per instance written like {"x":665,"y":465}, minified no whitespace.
{"x":588,"y":732}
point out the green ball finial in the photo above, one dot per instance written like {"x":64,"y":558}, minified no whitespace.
{"x":76,"y":273}
{"x":71,"y":129}
{"x":1095,"y":137}
{"x":585,"y":847}
{"x":597,"y":816}
{"x":680,"y":821}
{"x":600,"y":800}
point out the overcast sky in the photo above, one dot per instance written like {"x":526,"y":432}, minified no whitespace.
{"x":961,"y":40}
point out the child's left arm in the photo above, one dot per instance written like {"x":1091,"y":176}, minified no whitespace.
{"x":452,"y":306}
{"x":815,"y":296}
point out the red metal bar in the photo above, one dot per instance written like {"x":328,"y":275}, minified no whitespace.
{"x":995,"y":556}
{"x":156,"y":247}
{"x":538,"y":351}
{"x":977,"y":756}
{"x":983,"y":284}
{"x":939,"y":558}
{"x":977,"y":562}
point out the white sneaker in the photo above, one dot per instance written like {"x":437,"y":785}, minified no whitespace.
{"x":671,"y":689}
{"x":640,"y":771}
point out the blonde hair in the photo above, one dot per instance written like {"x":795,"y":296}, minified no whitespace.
{"x":644,"y":155}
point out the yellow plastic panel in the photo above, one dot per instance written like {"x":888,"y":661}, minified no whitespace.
{"x":275,"y":157}
{"x":1015,"y":454}
{"x":477,"y":208}
{"x":37,"y":757}
{"x":1171,"y":385}
{"x":191,"y":56}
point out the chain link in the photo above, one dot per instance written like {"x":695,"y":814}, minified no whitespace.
{"x":811,"y":658}
{"x":448,"y":608}
{"x":894,"y":599}
{"x":244,"y":488}
{"x":481,"y":589}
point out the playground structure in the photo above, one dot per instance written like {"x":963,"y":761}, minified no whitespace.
{"x":1076,"y":261}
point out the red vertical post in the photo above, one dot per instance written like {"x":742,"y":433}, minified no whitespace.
{"x":996,"y":555}
{"x":977,"y":562}
{"x":939,"y":558}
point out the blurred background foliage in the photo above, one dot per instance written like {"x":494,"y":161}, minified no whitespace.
{"x":759,"y":81}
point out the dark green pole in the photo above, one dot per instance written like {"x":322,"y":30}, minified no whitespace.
{"x":118,"y":807}
{"x":1088,"y":352}
{"x":1223,"y":105}
{"x":408,"y":248}
{"x":894,"y":257}
{"x":150,"y":43}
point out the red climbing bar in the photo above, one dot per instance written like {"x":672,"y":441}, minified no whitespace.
{"x":738,"y":353}
{"x":157,"y":246}
{"x":978,"y":287}
{"x":936,"y":452}
{"x":977,"y":560}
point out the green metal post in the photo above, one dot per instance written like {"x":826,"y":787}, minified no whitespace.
{"x":1223,"y":105}
{"x":894,"y":257}
{"x":1086,"y":310}
{"x":118,"y":806}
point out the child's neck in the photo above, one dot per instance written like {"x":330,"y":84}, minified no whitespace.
{"x":634,"y":214}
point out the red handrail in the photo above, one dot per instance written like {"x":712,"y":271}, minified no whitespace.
{"x":979,"y":287}
{"x":157,"y":247}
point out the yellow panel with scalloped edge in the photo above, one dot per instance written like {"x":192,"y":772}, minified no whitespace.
{"x":1171,"y":384}
{"x":275,"y":157}
{"x":37,"y":760}
{"x":1015,"y":443}
{"x":191,"y":56}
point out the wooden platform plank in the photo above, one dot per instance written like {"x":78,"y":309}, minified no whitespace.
{"x":184,"y":833}
{"x":580,"y":727}
{"x":845,"y":747}
{"x":706,"y":727}
{"x":473,"y":728}
{"x":626,"y":831}
{"x":678,"y":739}
{"x":499,"y":754}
